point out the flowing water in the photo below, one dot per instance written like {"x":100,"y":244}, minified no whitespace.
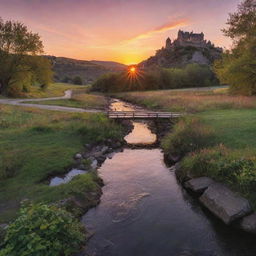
{"x":145,"y":212}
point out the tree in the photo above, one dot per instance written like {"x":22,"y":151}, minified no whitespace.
{"x":78,"y":80}
{"x":17,"y":47}
{"x":237,"y":67}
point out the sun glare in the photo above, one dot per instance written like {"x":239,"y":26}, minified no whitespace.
{"x":132,"y":69}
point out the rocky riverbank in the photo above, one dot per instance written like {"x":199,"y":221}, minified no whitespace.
{"x":227,"y":205}
{"x":89,"y":160}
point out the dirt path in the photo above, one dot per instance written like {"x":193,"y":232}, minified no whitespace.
{"x":25,"y":103}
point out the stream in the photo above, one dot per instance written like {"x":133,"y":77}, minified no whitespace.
{"x":145,"y":212}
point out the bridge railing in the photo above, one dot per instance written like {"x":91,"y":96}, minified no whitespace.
{"x":142,"y":114}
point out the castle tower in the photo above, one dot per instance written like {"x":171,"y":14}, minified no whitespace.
{"x":168,"y":44}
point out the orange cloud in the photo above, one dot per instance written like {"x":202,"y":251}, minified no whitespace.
{"x":163,"y":28}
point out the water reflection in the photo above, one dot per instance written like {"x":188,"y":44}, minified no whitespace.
{"x":140,"y":134}
{"x":67,"y":178}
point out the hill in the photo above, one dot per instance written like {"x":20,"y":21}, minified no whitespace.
{"x":187,"y":48}
{"x":66,"y":69}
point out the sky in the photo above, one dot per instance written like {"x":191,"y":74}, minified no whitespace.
{"x":127,"y":31}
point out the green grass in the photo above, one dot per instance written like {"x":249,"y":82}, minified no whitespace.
{"x":36,"y":144}
{"x":190,"y":101}
{"x":53,"y":90}
{"x":235,"y":128}
{"x":82,"y":100}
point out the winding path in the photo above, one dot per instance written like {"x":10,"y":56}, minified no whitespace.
{"x":67,"y":95}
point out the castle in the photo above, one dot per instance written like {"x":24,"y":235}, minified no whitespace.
{"x":188,"y":39}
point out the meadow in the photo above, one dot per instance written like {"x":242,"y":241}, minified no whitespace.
{"x":37,"y":144}
{"x":53,"y":90}
{"x":79,"y":100}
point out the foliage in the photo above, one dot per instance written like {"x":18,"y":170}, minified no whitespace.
{"x":19,"y":65}
{"x":188,"y":135}
{"x":192,"y":75}
{"x":224,"y":165}
{"x":78,"y":80}
{"x":237,"y":67}
{"x":43,"y":230}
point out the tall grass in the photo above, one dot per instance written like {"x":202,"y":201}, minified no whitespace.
{"x":189,"y":101}
{"x":36,"y":144}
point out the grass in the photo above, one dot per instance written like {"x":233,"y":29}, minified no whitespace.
{"x":188,"y":100}
{"x":36,"y":144}
{"x":82,"y":100}
{"x":227,"y":153}
{"x":53,"y":90}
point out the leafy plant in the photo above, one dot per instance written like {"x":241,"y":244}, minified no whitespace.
{"x":43,"y":230}
{"x":188,"y":135}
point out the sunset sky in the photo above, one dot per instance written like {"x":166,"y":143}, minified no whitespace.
{"x":126,"y":31}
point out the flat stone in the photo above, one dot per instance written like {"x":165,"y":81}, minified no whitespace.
{"x":104,"y":150}
{"x":224,"y":203}
{"x":78,"y":156}
{"x":248,"y":223}
{"x":94,"y":164}
{"x":199,"y":185}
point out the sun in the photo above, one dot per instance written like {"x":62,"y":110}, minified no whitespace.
{"x":132,"y":69}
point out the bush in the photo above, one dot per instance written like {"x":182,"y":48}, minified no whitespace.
{"x":78,"y":80}
{"x":223,"y":165}
{"x":188,"y":135}
{"x":43,"y":230}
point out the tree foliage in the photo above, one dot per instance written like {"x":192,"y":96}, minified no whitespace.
{"x":237,"y":67}
{"x":192,"y":75}
{"x":78,"y":80}
{"x":19,"y":64}
{"x":43,"y":230}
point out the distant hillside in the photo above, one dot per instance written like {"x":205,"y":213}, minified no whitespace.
{"x":187,"y":48}
{"x":67,"y":69}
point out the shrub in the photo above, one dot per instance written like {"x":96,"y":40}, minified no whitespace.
{"x":78,"y":80}
{"x":43,"y":230}
{"x":188,"y":135}
{"x":223,"y":165}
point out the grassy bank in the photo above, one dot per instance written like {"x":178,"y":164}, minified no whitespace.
{"x":78,"y":100}
{"x":53,"y":90}
{"x":36,"y":144}
{"x":216,"y":139}
{"x":190,"y":101}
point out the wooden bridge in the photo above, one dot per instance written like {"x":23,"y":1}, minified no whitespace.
{"x":142,"y":115}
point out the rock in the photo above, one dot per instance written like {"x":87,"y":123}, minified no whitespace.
{"x":101,"y":159}
{"x":82,"y":167}
{"x":248,"y":223}
{"x":94,"y":164}
{"x":78,"y":156}
{"x":110,"y":156}
{"x":117,"y":145}
{"x":97,"y":154}
{"x":104,"y":150}
{"x":4,"y":226}
{"x":198,"y":185}
{"x":87,"y":146}
{"x":225,"y":204}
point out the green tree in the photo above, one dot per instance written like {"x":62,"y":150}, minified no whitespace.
{"x":17,"y":47}
{"x":78,"y":80}
{"x":237,"y":67}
